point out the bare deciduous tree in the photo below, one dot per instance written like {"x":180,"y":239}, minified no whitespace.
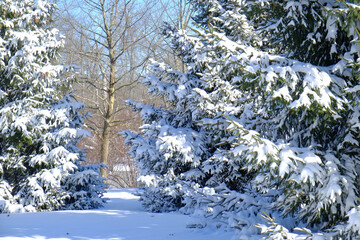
{"x":108,"y":36}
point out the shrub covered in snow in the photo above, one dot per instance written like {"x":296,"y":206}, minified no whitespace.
{"x":40,"y":165}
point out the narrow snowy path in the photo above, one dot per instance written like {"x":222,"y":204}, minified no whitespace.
{"x":122,"y":218}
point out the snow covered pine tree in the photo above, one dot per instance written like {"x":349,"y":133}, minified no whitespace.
{"x":40,"y":165}
{"x":266,"y":117}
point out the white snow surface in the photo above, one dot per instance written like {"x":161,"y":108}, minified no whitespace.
{"x":122,"y":218}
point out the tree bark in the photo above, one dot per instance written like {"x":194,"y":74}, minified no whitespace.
{"x":108,"y":118}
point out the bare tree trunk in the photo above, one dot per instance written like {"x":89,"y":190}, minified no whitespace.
{"x":109,"y":112}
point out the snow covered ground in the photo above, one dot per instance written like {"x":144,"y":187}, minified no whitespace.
{"x":121,"y":218}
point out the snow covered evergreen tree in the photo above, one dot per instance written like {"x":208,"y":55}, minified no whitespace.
{"x":267,"y":111}
{"x":40,"y":165}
